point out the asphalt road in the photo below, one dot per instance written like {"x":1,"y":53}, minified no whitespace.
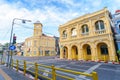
{"x":106,"y":71}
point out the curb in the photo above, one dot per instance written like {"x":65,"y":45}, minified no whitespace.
{"x":98,"y":61}
{"x":26,"y":75}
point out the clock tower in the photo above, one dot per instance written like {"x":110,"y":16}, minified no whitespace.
{"x":37,"y":28}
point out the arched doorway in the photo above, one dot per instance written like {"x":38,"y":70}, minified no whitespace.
{"x":103,"y":51}
{"x":74,"y":52}
{"x":65,"y":52}
{"x":87,"y":52}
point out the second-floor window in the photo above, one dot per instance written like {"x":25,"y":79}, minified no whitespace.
{"x":64,"y":35}
{"x":85,"y":29}
{"x":73,"y":32}
{"x":99,"y":25}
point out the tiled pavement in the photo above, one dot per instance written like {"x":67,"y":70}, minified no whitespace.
{"x":10,"y":74}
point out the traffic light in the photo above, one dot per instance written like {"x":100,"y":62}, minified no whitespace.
{"x":14,"y":39}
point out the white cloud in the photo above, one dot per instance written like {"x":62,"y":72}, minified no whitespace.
{"x":96,"y":3}
{"x":50,"y":16}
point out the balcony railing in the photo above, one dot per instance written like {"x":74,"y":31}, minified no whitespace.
{"x":73,"y":36}
{"x":64,"y":37}
{"x":100,"y":31}
{"x":85,"y":34}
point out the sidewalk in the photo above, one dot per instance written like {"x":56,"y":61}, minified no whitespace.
{"x":10,"y":74}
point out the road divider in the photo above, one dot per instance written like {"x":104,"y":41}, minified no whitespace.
{"x":44,"y":72}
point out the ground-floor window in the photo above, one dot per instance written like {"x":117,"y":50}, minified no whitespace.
{"x":76,"y":51}
{"x":34,"y":52}
{"x":88,"y":50}
{"x":53,"y":52}
{"x":104,"y":49}
{"x":47,"y":52}
{"x":41,"y":52}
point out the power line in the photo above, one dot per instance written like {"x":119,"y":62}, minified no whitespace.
{"x":32,"y":28}
{"x":6,"y":33}
{"x":24,"y":26}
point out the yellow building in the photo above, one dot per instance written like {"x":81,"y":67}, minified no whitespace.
{"x":88,"y":37}
{"x":39,"y":44}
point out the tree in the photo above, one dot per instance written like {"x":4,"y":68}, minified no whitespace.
{"x":118,"y":52}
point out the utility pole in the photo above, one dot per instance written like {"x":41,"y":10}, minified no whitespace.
{"x":10,"y":44}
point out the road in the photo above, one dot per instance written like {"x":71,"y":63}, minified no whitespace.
{"x":106,"y":71}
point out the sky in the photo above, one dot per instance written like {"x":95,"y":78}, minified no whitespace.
{"x":51,"y":13}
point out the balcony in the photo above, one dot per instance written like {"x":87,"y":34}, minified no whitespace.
{"x":100,"y":31}
{"x":73,"y":36}
{"x":85,"y":34}
{"x":64,"y":37}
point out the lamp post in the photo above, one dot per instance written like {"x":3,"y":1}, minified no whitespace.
{"x":10,"y":51}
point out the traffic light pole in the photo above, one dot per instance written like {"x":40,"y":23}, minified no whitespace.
{"x":10,"y":52}
{"x":8,"y":60}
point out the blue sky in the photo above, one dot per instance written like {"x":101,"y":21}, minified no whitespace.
{"x":51,"y":13}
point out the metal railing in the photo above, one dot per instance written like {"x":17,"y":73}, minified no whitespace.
{"x":35,"y":69}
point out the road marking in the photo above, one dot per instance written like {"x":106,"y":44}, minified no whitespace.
{"x":65,"y":74}
{"x":6,"y":76}
{"x":75,"y":69}
{"x":29,"y":67}
{"x":45,"y":73}
{"x":93,"y":68}
{"x":89,"y":70}
{"x":59,"y":66}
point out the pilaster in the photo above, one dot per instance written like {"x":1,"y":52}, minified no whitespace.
{"x":80,"y":53}
{"x":69,"y":52}
{"x":61,"y":53}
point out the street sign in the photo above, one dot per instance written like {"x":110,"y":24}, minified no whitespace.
{"x":12,"y":47}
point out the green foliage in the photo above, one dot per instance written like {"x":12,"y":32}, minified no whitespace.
{"x":118,"y":52}
{"x":1,"y":52}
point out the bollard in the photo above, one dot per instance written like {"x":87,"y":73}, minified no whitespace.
{"x":53,"y":73}
{"x":36,"y":71}
{"x":24,"y":67}
{"x":12,"y":63}
{"x":17,"y":64}
{"x":95,"y":76}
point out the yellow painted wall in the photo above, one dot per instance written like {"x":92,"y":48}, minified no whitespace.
{"x":39,"y":43}
{"x":93,"y":38}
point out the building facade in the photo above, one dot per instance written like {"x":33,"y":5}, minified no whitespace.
{"x":20,"y":49}
{"x":88,"y":37}
{"x":116,"y":29}
{"x":39,"y":44}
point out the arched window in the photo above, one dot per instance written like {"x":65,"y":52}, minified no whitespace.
{"x":73,"y":32}
{"x":88,"y":50}
{"x":85,"y":29}
{"x":99,"y":25}
{"x":104,"y":49}
{"x":64,"y":34}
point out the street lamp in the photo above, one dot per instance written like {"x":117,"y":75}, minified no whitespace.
{"x":23,"y":21}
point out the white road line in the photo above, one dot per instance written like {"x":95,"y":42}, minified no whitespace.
{"x":93,"y":68}
{"x":89,"y":70}
{"x":64,"y":73}
{"x":29,"y":67}
{"x":75,"y":69}
{"x":59,"y":66}
{"x":45,"y":73}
